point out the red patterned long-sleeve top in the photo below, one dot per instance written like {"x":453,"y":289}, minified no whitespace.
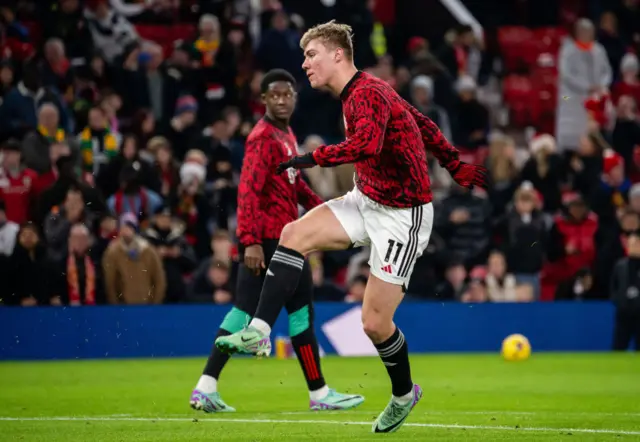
{"x":268,"y":201}
{"x":386,"y":139}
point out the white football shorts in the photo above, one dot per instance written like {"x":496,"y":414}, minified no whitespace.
{"x":397,"y":236}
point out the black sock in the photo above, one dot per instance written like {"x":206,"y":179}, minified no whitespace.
{"x":279,"y":284}
{"x":306,"y":347}
{"x":394,"y":353}
{"x":217,"y":360}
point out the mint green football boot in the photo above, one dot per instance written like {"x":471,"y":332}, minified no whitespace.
{"x":394,"y":415}
{"x":336,"y":401}
{"x":209,"y":403}
{"x":249,"y":340}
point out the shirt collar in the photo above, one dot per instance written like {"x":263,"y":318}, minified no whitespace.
{"x":347,"y":88}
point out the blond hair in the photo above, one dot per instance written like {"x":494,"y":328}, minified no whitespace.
{"x":336,"y":35}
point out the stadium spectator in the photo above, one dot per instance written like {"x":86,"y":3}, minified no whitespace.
{"x":111,"y":32}
{"x":16,"y":184}
{"x":133,"y":272}
{"x":571,"y":240}
{"x":473,"y":118}
{"x":580,"y":287}
{"x":56,"y":193}
{"x":628,"y":83}
{"x":463,"y":221}
{"x":279,"y":46}
{"x":608,"y":199}
{"x":584,"y":71}
{"x":57,"y":225}
{"x":501,"y":163}
{"x":625,"y":294}
{"x":210,"y":283}
{"x":74,"y":272}
{"x":463,"y":57}
{"x":355,"y":293}
{"x":476,"y":290}
{"x":67,"y":23}
{"x":18,"y":110}
{"x":98,"y":144}
{"x":133,"y":196}
{"x":626,"y":136}
{"x":178,"y":257}
{"x":523,"y":231}
{"x":421,"y":96}
{"x":108,"y":177}
{"x":611,"y":41}
{"x":166,"y":166}
{"x":544,"y":171}
{"x":453,"y":286}
{"x":35,"y":146}
{"x":29,"y":258}
{"x":8,"y":233}
{"x":184,"y":133}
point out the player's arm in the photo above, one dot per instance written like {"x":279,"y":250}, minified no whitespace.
{"x":371,"y":112}
{"x":256,"y":167}
{"x":466,"y":175}
{"x":306,"y":196}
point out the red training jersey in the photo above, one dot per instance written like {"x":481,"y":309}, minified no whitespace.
{"x":386,"y":139}
{"x":17,"y":192}
{"x":267,"y":201}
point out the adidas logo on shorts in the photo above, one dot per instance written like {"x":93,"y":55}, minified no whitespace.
{"x":386,"y":268}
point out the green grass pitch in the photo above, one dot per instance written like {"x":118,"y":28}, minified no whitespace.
{"x":551,"y":397}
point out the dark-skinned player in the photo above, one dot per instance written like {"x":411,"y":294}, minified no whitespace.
{"x":267,"y":201}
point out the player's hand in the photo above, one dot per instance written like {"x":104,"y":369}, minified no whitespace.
{"x":254,"y":258}
{"x":469,"y":175}
{"x":300,"y":162}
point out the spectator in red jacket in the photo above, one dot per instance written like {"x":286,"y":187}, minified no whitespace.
{"x":572,"y":239}
{"x":16,"y":184}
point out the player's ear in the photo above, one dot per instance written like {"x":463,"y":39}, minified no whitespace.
{"x":263,"y":98}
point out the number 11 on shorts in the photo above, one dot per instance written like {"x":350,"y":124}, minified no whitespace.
{"x":387,"y":256}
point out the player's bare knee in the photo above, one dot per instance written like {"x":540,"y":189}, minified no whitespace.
{"x":377,"y":326}
{"x":296,"y":236}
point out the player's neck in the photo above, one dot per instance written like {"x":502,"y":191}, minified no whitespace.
{"x":341,"y":79}
{"x":278,"y":123}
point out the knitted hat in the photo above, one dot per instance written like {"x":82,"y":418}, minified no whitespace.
{"x":186,"y":103}
{"x":190,"y":172}
{"x":611,"y":160}
{"x":541,"y":141}
{"x":129,"y":219}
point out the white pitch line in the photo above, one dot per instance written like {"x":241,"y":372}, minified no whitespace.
{"x":480,"y":413}
{"x":316,"y":422}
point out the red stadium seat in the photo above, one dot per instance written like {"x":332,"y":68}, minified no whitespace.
{"x":518,"y":94}
{"x":511,"y":40}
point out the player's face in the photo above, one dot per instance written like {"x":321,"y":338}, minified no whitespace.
{"x":319,"y":63}
{"x":280,"y":99}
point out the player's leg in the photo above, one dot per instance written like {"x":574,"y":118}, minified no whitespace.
{"x":334,"y":225}
{"x":398,"y":238}
{"x":305,"y":344}
{"x":205,"y":396}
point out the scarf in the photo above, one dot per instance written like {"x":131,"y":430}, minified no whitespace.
{"x":108,"y":143}
{"x":74,"y":284}
{"x":584,"y":46}
{"x":207,"y":49}
{"x":188,"y":211}
{"x":141,"y":211}
{"x":58,"y":137}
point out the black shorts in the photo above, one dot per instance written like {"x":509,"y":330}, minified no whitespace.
{"x":249,"y":285}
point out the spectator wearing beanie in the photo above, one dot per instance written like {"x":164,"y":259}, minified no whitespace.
{"x":611,"y":195}
{"x":133,"y":272}
{"x":543,"y":170}
{"x":184,"y":132}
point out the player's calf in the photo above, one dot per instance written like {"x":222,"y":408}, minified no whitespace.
{"x":381,"y":299}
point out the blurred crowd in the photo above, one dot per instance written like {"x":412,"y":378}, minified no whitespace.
{"x":123,"y":128}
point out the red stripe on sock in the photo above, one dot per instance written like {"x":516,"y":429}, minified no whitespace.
{"x":305,"y":360}
{"x":312,"y":369}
